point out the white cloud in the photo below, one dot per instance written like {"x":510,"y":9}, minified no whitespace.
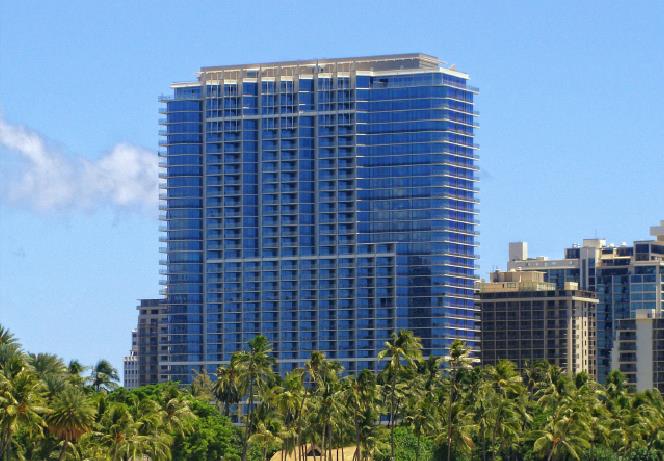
{"x":126,"y":177}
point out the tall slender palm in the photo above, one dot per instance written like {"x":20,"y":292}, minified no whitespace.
{"x":289,"y":403}
{"x":256,"y":371}
{"x":227,"y":387}
{"x":327,"y":392}
{"x":458,"y":361}
{"x":103,"y":376}
{"x":421,"y":409}
{"x":361,"y":399}
{"x":509,"y":408}
{"x":72,"y":415}
{"x":402,"y":353}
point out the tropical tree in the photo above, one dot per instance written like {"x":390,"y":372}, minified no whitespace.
{"x":402,"y":353}
{"x":455,"y":416}
{"x":7,"y":337}
{"x":361,"y":398}
{"x":566,"y":430}
{"x":22,"y":406}
{"x":255,"y":368}
{"x":177,"y":416}
{"x":508,"y":413}
{"x":227,"y":388}
{"x":103,"y":377}
{"x":72,"y":415}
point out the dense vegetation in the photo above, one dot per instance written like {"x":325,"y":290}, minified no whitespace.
{"x":414,"y":409}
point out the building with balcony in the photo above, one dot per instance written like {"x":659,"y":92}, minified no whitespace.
{"x":626,"y":278}
{"x":321,"y":203}
{"x":638,"y":349}
{"x":526,"y":320}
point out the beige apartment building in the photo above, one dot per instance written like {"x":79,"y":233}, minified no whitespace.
{"x":525,"y":319}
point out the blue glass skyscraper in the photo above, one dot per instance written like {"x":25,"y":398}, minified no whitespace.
{"x":323,"y":204}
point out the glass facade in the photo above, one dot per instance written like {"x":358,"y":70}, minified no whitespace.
{"x":625,"y":278}
{"x":322,"y":204}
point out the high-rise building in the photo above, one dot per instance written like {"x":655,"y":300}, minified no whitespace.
{"x":526,"y":320}
{"x":321,"y":203}
{"x":626,"y":278}
{"x":638,"y":350}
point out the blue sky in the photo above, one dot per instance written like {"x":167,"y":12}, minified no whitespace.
{"x":572,"y":145}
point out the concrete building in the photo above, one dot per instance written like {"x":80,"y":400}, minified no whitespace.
{"x":525,"y":319}
{"x":323,"y":204}
{"x":626,"y":278}
{"x":149,"y":350}
{"x":131,"y":364}
{"x":638,"y":350}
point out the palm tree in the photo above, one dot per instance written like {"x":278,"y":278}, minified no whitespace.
{"x":361,"y":399}
{"x":421,"y":412}
{"x":72,"y":415}
{"x":227,"y":388}
{"x":255,"y":367}
{"x":402,"y":351}
{"x":289,"y":399}
{"x":458,"y":361}
{"x":103,"y":377}
{"x":127,"y":437}
{"x":46,"y":364}
{"x":7,"y":337}
{"x":202,"y":387}
{"x":265,"y":438}
{"x":74,"y":371}
{"x":565,"y":432}
{"x":509,"y":407}
{"x":21,"y":406}
{"x":177,"y":416}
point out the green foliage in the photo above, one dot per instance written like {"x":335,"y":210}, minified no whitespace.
{"x":600,"y":453}
{"x":642,"y":454}
{"x":212,"y":437}
{"x":436,"y":409}
{"x":406,"y":446}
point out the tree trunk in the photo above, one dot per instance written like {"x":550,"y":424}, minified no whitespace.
{"x":417,"y":449}
{"x":553,"y":447}
{"x":392,"y":417}
{"x":449,"y":424}
{"x":63,"y":451}
{"x":245,"y":440}
{"x":358,"y":441}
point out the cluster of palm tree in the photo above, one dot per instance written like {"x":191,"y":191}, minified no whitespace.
{"x":52,"y":410}
{"x":466,"y":411}
{"x":447,"y":407}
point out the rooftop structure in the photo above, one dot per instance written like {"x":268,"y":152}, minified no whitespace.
{"x":525,"y":320}
{"x":626,"y":279}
